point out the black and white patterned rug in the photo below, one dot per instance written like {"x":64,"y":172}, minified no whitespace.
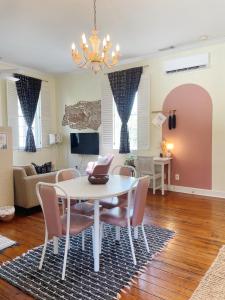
{"x":116,"y":267}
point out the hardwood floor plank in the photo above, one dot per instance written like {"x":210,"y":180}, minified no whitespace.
{"x":174,"y":273}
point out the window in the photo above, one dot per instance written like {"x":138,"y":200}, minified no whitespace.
{"x":36,"y":127}
{"x":42,"y":124}
{"x":139,"y":122}
{"x":132,"y":126}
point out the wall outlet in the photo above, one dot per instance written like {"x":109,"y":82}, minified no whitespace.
{"x":177,"y":177}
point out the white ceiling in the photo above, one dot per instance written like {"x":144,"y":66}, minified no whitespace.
{"x":38,"y":34}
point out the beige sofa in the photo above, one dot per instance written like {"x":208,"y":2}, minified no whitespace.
{"x":25,"y":180}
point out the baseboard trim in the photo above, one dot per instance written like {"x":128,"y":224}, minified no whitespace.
{"x":196,"y":191}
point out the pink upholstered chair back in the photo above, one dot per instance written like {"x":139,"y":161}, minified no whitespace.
{"x":140,"y":200}
{"x":66,"y":174}
{"x":124,"y":171}
{"x":50,"y":207}
{"x":103,"y":169}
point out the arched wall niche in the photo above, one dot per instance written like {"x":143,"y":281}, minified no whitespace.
{"x":192,"y":137}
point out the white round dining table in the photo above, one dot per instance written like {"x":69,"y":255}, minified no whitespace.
{"x":81,"y":188}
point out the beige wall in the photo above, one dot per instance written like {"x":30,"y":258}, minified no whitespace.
{"x":45,"y":154}
{"x":71,"y":88}
{"x":6,"y":173}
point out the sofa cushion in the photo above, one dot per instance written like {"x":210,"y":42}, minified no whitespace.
{"x":30,"y":170}
{"x":45,"y":168}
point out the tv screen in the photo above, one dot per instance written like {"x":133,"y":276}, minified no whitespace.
{"x":84,"y":143}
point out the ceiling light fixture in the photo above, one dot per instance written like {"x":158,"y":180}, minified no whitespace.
{"x":98,"y":56}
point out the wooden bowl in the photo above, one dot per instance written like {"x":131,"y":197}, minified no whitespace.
{"x":98,"y":179}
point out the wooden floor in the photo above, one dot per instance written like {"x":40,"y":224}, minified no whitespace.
{"x":199,"y":223}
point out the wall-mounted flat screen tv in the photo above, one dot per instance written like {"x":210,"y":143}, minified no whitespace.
{"x":84,"y":143}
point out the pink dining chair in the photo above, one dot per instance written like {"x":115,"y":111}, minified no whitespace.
{"x":83,"y":208}
{"x":93,"y":168}
{"x":57,"y":225}
{"x":120,"y":200}
{"x":130,"y":216}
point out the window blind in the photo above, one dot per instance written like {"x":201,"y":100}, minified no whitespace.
{"x":143,"y":111}
{"x":46,"y":113}
{"x":107,"y":114}
{"x":12,"y":110}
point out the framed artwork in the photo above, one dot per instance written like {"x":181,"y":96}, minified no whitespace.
{"x":3,"y":141}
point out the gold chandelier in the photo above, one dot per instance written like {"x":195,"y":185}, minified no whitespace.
{"x":98,"y":56}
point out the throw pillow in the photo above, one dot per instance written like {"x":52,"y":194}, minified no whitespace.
{"x":30,"y":170}
{"x":102,"y":160}
{"x":45,"y":168}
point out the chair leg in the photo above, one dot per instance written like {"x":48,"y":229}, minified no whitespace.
{"x":117,"y":233}
{"x":56,"y":245}
{"x":83,"y":240}
{"x":63,"y":206}
{"x":65,"y":256}
{"x":131,"y":245}
{"x":101,"y":235}
{"x":43,"y":251}
{"x":69,"y":244}
{"x":136,"y":233}
{"x":153,"y":180}
{"x":93,"y":240}
{"x":145,"y":239}
{"x":102,"y":230}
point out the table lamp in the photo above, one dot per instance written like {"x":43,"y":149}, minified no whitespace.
{"x":169,"y":147}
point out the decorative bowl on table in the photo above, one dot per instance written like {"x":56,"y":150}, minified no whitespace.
{"x":98,"y":179}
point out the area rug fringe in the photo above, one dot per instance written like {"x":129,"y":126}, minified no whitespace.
{"x":143,"y":269}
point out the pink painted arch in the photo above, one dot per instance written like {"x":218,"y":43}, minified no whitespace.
{"x":192,"y":138}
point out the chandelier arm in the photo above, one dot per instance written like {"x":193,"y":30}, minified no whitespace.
{"x":83,"y":65}
{"x":85,"y":56}
{"x":107,"y":65}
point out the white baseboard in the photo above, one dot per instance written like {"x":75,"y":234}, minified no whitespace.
{"x":196,"y":191}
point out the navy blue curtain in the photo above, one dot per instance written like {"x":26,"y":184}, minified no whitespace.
{"x":28,"y":90}
{"x":124,"y":85}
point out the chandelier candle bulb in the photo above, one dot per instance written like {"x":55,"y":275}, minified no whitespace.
{"x":108,"y":38}
{"x":73,"y":47}
{"x":117,"y":48}
{"x":84,"y":39}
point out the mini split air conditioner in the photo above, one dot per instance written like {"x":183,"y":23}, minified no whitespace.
{"x":187,"y":63}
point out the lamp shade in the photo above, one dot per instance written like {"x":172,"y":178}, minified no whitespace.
{"x":169,"y":146}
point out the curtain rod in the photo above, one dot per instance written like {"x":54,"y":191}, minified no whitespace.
{"x":145,"y":66}
{"x":32,"y":77}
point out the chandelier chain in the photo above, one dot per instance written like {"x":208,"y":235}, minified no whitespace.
{"x":95,"y":22}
